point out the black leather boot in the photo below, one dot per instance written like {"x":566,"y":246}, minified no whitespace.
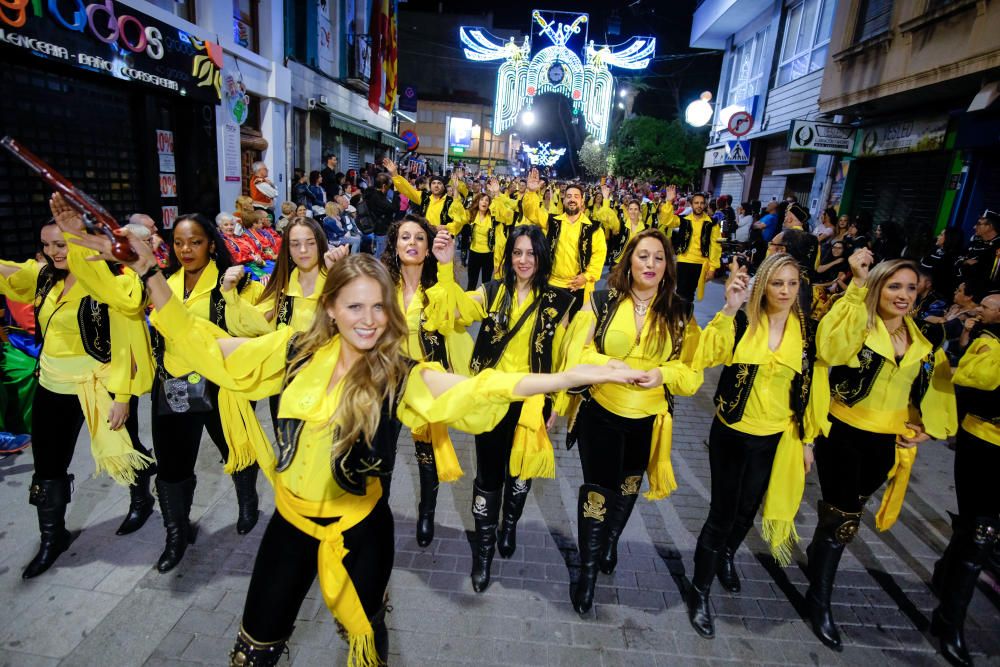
{"x":427,"y":469}
{"x":515,"y":494}
{"x":834,"y":531}
{"x":381,"y":633}
{"x":141,"y":501}
{"x":50,"y":498}
{"x":706,"y":562}
{"x":175,"y":506}
{"x":956,"y":583}
{"x":248,"y":652}
{"x":247,"y":499}
{"x":591,"y":512}
{"x":619,"y":510}
{"x":485,"y":509}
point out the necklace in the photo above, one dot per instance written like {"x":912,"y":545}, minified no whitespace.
{"x":898,"y":330}
{"x":640,"y":306}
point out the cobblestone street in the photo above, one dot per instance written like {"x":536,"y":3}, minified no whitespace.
{"x":105,"y":604}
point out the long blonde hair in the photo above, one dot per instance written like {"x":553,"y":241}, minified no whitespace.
{"x":881,"y":274}
{"x":768,"y":268}
{"x":379,"y":371}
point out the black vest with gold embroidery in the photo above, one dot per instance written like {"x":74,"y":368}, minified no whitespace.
{"x":425,"y":202}
{"x":585,"y":246}
{"x":623,"y":237}
{"x":216,"y":315}
{"x":736,"y":381}
{"x":981,"y":403}
{"x":91,"y":316}
{"x":491,"y":234}
{"x":682,"y":237}
{"x":550,"y":307}
{"x":286,"y":305}
{"x":352,"y":468}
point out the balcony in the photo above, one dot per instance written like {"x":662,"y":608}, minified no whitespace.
{"x":715,"y":20}
{"x":359,"y":62}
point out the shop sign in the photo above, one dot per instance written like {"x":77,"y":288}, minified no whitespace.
{"x":816,"y":137}
{"x":715,"y":157}
{"x":234,"y":92}
{"x":168,"y":216}
{"x":905,"y":136}
{"x":113,"y":39}
{"x":231,"y":152}
{"x":168,"y":185}
{"x":165,"y":151}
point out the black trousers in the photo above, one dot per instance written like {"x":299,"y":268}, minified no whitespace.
{"x":976,"y":466}
{"x":852,"y":464}
{"x":688,"y":275}
{"x":57,"y":426}
{"x":176,"y":437}
{"x":286,"y":567}
{"x":493,"y":451}
{"x":741,"y":470}
{"x":611,"y":446}
{"x":480,"y":264}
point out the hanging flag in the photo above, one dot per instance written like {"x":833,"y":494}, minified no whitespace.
{"x":391,"y":57}
{"x":376,"y":37}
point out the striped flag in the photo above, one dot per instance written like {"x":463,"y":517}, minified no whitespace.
{"x":382,"y":35}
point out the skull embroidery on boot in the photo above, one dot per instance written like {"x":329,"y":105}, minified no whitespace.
{"x":594,"y":507}
{"x":519,"y":486}
{"x":479,"y":506}
{"x":630,"y":486}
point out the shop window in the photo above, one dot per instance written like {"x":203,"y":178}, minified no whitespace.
{"x":807,"y":36}
{"x":747,"y":70}
{"x":245,"y":24}
{"x":874,"y":17}
{"x":183,"y":9}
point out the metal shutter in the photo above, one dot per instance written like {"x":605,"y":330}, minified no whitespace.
{"x":732,"y":185}
{"x":905,"y":189}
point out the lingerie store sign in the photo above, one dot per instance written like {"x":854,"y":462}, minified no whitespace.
{"x":113,"y":39}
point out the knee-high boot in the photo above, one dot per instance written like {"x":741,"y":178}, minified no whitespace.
{"x":706,"y":562}
{"x":247,"y":499}
{"x":50,"y":498}
{"x":836,"y":528}
{"x":955,"y":577}
{"x":175,"y":506}
{"x":515,"y":494}
{"x":485,"y":510}
{"x":591,"y":513}
{"x":427,"y":469}
{"x":141,"y":501}
{"x":249,"y":652}
{"x":728,"y":577}
{"x":619,"y":510}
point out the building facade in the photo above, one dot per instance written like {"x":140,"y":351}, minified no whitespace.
{"x":477,"y":149}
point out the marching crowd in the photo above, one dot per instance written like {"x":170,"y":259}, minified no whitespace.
{"x":842,"y":347}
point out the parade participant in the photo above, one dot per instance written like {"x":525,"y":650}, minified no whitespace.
{"x":332,"y":518}
{"x":977,"y":458}
{"x":524,"y":320}
{"x":696,"y":241}
{"x":890,"y":390}
{"x":427,"y":294}
{"x":93,"y":358}
{"x":765,"y":412}
{"x":576,"y":243}
{"x":631,"y":221}
{"x":797,"y":217}
{"x":18,"y":361}
{"x":980,"y":268}
{"x":486,"y":227}
{"x":439,"y":208}
{"x":638,"y":323}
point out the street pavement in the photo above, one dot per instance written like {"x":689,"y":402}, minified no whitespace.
{"x":105,"y":604}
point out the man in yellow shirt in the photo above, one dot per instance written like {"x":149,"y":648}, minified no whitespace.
{"x":440,"y":209}
{"x":696,"y":242}
{"x":576,"y":243}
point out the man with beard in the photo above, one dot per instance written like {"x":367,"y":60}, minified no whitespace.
{"x":696,"y":243}
{"x":440,"y":209}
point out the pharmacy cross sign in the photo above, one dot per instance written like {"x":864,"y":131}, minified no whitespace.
{"x":556,"y":68}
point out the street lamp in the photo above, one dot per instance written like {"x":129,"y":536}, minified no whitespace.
{"x":621,"y":105}
{"x":528,"y":118}
{"x":699,"y":112}
{"x":623,"y":93}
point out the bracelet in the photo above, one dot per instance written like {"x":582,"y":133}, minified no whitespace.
{"x":152,"y":271}
{"x":810,"y":445}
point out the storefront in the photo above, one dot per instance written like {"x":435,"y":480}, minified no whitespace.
{"x":128,"y":116}
{"x":721,"y":178}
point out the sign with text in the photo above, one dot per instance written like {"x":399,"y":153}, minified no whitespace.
{"x":168,"y":215}
{"x":905,"y":136}
{"x":231,"y":152}
{"x":460,"y":133}
{"x":165,"y":151}
{"x":715,"y":157}
{"x":113,"y":39}
{"x":168,"y":185}
{"x":816,"y":137}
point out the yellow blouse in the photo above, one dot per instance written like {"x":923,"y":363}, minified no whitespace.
{"x":566,"y":264}
{"x":979,"y":368}
{"x":253,"y":321}
{"x":480,"y":231}
{"x":436,"y":205}
{"x":438,"y":305}
{"x":886,"y":409}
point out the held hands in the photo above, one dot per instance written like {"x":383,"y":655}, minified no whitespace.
{"x":578,"y":282}
{"x":860,"y":262}
{"x":443,"y":247}
{"x":231,"y":277}
{"x":912,"y":441}
{"x":390,"y":166}
{"x":651,"y":378}
{"x":584,"y":374}
{"x":335,"y":254}
{"x":737,"y":288}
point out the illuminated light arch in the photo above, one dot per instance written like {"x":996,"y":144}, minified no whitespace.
{"x":543,"y":155}
{"x":556,"y":69}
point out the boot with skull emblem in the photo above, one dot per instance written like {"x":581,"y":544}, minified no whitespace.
{"x":592,"y":509}
{"x":427,"y":471}
{"x":619,"y":510}
{"x":485,"y":510}
{"x":515,"y":493}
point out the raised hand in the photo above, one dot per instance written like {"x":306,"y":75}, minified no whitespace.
{"x":443,"y":247}
{"x":67,"y":217}
{"x":335,"y":254}
{"x":232,"y":276}
{"x":390,"y":166}
{"x":493,"y":186}
{"x":737,"y":288}
{"x":860,"y":262}
{"x":534,"y":181}
{"x":671,"y":193}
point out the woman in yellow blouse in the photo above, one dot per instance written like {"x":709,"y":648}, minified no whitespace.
{"x":977,"y":459}
{"x":94,"y":359}
{"x":484,"y":236}
{"x":425,"y":286}
{"x":637,"y":323}
{"x":765,"y":411}
{"x":890,"y":390}
{"x":332,"y":518}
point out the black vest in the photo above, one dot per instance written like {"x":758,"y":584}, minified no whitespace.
{"x":491,"y":234}
{"x":286,"y":305}
{"x":216,"y":315}
{"x":425,"y":202}
{"x":551,"y":306}
{"x":91,"y":316}
{"x":585,"y":246}
{"x":622,"y":239}
{"x":981,"y":403}
{"x":736,"y":381}
{"x":682,"y":237}
{"x":352,"y":468}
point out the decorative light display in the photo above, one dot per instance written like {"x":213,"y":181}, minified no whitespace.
{"x":556,"y":69}
{"x":543,"y":155}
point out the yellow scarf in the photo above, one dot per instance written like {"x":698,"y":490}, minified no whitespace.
{"x":659,"y":470}
{"x":334,"y":581}
{"x":531,"y":454}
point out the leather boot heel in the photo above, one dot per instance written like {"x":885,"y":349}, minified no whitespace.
{"x":141,"y":502}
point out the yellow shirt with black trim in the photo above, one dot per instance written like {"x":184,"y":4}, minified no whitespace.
{"x":979,"y":368}
{"x":481,"y":225}
{"x":566,"y":263}
{"x":254,"y":321}
{"x":437,"y":306}
{"x":435,"y":206}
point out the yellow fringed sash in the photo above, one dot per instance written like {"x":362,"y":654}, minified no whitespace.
{"x":784,"y":495}
{"x":531,"y":454}
{"x":660,"y":470}
{"x":445,"y":459}
{"x":334,"y":582}
{"x":895,"y":490}
{"x":241,"y":429}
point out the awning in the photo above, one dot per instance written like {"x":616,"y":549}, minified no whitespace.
{"x":347,"y":124}
{"x":392,"y":141}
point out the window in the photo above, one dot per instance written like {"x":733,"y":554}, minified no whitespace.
{"x":245,"y":24}
{"x":807,"y":36}
{"x":180,"y":8}
{"x":874,"y":17}
{"x":747,"y":70}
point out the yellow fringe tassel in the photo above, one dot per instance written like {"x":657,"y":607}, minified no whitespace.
{"x":123,"y":467}
{"x":361,"y":651}
{"x":780,"y":537}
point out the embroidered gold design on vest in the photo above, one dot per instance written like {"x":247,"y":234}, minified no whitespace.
{"x":594,"y":507}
